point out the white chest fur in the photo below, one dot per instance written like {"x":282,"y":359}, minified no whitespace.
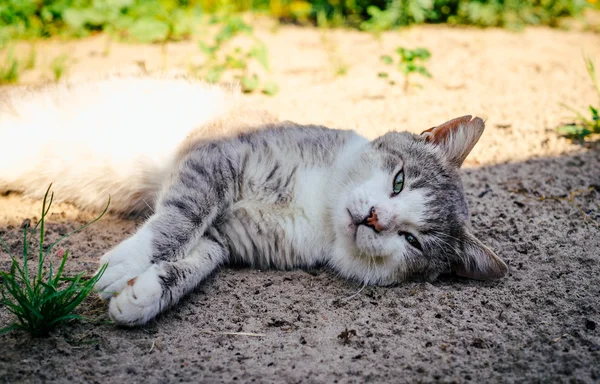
{"x":299,"y":233}
{"x":287,"y":235}
{"x":309,"y":235}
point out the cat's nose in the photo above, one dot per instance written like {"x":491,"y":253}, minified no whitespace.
{"x":372,"y":221}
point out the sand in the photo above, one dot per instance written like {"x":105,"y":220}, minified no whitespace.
{"x":534,"y":199}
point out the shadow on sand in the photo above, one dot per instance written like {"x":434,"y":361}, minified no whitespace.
{"x":541,"y":323}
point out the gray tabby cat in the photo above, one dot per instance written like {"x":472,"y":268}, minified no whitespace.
{"x":274,"y":194}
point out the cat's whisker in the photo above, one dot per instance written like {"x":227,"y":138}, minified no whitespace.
{"x":439,"y":241}
{"x":441,"y":234}
{"x":375,"y":269}
{"x":443,"y":242}
{"x":356,"y":293}
{"x":320,"y":143}
{"x":148,"y":205}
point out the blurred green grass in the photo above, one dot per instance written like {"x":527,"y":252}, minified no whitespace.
{"x":164,"y":20}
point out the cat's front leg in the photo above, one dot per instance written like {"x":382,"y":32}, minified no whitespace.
{"x":179,"y":246}
{"x":127,"y":260}
{"x":165,"y":282}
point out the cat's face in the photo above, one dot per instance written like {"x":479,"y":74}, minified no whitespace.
{"x":403,"y":213}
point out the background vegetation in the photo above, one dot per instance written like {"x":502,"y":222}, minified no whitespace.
{"x":161,"y":20}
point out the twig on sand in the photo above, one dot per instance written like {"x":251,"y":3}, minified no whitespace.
{"x":249,"y":334}
{"x":244,"y":334}
{"x":570,"y":199}
{"x":559,"y":338}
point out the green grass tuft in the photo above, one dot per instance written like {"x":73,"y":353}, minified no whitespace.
{"x":59,"y":67}
{"x":10,"y":70}
{"x":583,"y":127}
{"x":410,"y":62}
{"x":221,"y":57}
{"x":42,"y":299}
{"x":12,"y":67}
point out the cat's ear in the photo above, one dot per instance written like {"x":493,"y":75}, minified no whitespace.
{"x":456,"y":138}
{"x":478,"y":261}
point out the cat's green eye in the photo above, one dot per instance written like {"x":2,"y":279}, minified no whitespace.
{"x":411,"y":240}
{"x":399,"y":182}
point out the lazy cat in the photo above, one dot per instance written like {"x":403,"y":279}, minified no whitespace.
{"x":230,"y":185}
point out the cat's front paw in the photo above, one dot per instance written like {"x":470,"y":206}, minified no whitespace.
{"x":139,"y":301}
{"x":126,"y":261}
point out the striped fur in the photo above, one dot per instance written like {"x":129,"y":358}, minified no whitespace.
{"x":229,"y":184}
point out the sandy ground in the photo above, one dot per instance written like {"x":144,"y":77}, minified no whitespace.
{"x":539,"y":324}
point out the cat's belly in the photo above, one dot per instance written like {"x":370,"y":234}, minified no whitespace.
{"x":285,"y":235}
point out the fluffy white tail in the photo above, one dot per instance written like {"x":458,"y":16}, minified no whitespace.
{"x":114,"y":136}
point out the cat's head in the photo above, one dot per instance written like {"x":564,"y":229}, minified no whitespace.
{"x":404,"y":215}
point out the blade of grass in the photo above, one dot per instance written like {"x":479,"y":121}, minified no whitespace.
{"x":5,"y":246}
{"x":42,"y":223}
{"x":15,"y":265}
{"x":25,"y":271}
{"x":12,"y":286}
{"x":10,"y":328}
{"x":88,"y":287}
{"x":576,"y":112}
{"x":65,"y":318}
{"x":17,"y":310}
{"x":64,"y":293}
{"x":61,"y":268}
{"x":80,"y":228}
{"x":592,"y":72}
{"x":22,"y":300}
{"x":12,"y":307}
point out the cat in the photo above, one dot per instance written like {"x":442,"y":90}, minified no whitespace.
{"x":222,"y":183}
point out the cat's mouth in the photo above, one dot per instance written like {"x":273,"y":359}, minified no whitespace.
{"x":356,"y":222}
